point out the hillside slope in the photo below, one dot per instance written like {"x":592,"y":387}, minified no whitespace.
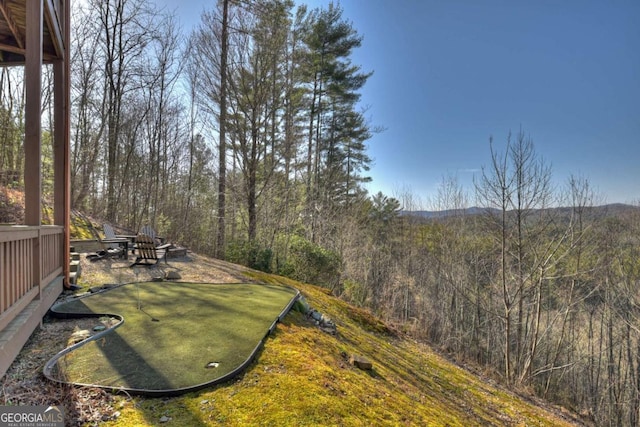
{"x":303,"y":377}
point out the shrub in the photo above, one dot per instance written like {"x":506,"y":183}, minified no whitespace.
{"x":249,"y":254}
{"x":310,"y":263}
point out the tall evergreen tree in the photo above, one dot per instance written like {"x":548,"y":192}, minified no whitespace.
{"x":336,"y":131}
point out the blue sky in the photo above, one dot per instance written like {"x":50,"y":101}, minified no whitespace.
{"x":450,"y":74}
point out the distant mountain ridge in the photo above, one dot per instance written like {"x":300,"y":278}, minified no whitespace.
{"x":606,"y":210}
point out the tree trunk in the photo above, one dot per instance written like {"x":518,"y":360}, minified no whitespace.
{"x":222,"y":164}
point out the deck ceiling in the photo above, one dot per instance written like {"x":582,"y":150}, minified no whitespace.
{"x":13,"y":17}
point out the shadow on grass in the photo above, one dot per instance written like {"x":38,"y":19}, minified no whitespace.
{"x":176,"y":337}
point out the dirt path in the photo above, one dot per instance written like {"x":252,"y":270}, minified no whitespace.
{"x":191,"y":268}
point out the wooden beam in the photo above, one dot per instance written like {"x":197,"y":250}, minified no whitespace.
{"x":61,"y":158}
{"x":61,"y":147}
{"x":33,"y":98}
{"x":53,"y":23}
{"x":9,"y":56}
{"x":11,"y":48}
{"x":6,"y":13}
{"x":8,"y":59}
{"x":59,"y":141}
{"x":66,"y":28}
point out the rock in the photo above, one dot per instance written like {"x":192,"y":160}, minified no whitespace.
{"x":110,"y":322}
{"x":326,"y":322}
{"x":331,"y":331}
{"x":328,"y":330}
{"x":323,"y":322}
{"x":327,"y":325}
{"x":360,"y":362}
{"x":79,"y":335}
{"x":173,"y":275}
{"x":316,"y":315}
{"x":165,"y":419}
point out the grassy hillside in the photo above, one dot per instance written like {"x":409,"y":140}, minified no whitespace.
{"x":303,"y":377}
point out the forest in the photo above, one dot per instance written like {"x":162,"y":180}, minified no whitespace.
{"x":244,"y":139}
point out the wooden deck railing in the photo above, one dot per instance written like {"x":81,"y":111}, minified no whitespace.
{"x":51,"y":250}
{"x":30,"y":258}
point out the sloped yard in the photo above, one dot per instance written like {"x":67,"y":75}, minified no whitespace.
{"x":302,"y":375}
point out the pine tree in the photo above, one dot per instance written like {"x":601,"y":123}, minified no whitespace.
{"x":336,"y":130}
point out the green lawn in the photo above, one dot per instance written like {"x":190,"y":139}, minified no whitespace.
{"x":175,"y":336}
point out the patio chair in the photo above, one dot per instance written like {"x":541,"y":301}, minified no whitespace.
{"x":110,"y":233}
{"x":147,"y":253}
{"x":109,"y":249}
{"x":147,"y":230}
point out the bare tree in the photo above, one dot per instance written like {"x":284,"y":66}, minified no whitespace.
{"x":157,"y":83}
{"x":11,"y":125}
{"x":220,"y":242}
{"x":518,"y":184}
{"x":125,"y":31}
{"x":89,"y":104}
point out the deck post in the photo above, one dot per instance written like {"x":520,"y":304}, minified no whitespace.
{"x":33,"y":88}
{"x":61,"y":156}
{"x":32,"y":138}
{"x":34,"y":257}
